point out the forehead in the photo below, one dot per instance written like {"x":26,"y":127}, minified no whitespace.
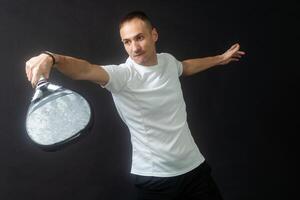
{"x":132,"y":28}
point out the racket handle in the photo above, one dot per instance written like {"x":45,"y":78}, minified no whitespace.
{"x":42,"y":81}
{"x":42,"y":86}
{"x":38,"y":89}
{"x":37,"y":94}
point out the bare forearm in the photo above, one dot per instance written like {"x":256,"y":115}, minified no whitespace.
{"x":193,"y":66}
{"x":79,"y":69}
{"x":72,"y":67}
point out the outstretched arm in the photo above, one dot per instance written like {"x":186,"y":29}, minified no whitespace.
{"x":193,"y":66}
{"x":74,"y":68}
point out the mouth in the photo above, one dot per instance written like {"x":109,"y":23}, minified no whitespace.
{"x":138,"y":55}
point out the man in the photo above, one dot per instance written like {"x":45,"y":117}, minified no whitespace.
{"x":146,"y":90}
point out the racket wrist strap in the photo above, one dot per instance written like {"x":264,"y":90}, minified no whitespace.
{"x":52,"y":57}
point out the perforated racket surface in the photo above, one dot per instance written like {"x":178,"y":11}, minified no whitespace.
{"x":57,"y":116}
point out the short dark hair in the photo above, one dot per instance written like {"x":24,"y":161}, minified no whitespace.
{"x":136,"y":15}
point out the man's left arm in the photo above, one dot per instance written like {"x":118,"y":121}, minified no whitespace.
{"x":193,"y":66}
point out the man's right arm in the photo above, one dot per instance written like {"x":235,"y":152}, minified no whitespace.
{"x":74,"y":68}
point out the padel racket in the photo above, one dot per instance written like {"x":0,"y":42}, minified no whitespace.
{"x":57,"y":116}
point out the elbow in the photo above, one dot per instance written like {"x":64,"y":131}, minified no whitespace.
{"x":75,"y":77}
{"x":186,"y":73}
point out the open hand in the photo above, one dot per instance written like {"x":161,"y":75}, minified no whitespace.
{"x":232,"y":54}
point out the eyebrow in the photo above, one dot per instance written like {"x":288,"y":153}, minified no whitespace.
{"x":135,"y":36}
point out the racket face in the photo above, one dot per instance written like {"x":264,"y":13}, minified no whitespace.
{"x":58,"y":117}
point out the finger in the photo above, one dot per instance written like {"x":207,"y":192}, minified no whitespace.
{"x":29,"y":73}
{"x":32,"y":83}
{"x":46,"y":75}
{"x":35,"y":77}
{"x":241,"y":52}
{"x":27,"y":69}
{"x":235,"y":46}
{"x":237,"y":55}
{"x":233,"y":49}
{"x":32,"y":80}
{"x":233,"y":60}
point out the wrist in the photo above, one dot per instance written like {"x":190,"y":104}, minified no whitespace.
{"x":220,"y":59}
{"x":54,"y":58}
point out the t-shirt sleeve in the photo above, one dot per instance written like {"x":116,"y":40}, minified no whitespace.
{"x":177,"y":63}
{"x":180,"y":67}
{"x":118,"y":77}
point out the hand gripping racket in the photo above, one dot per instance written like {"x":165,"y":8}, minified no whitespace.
{"x":57,"y":116}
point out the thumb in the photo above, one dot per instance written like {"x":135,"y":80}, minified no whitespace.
{"x":46,"y":75}
{"x":235,"y":46}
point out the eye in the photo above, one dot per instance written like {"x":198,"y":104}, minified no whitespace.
{"x":140,"y":38}
{"x":126,"y":42}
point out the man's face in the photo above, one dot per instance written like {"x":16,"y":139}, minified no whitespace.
{"x":139,"y":41}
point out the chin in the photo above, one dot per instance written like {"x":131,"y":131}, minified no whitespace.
{"x":139,"y":61}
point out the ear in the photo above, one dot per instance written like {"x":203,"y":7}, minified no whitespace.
{"x":154,"y":34}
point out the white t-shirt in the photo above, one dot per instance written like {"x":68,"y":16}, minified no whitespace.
{"x":149,"y":100}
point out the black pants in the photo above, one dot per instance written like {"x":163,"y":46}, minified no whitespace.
{"x":196,"y":184}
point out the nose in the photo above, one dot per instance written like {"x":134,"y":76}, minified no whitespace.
{"x":136,"y":47}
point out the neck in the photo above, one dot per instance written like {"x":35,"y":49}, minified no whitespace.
{"x":152,"y":61}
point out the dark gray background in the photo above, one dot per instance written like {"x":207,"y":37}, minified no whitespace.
{"x":239,"y":114}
